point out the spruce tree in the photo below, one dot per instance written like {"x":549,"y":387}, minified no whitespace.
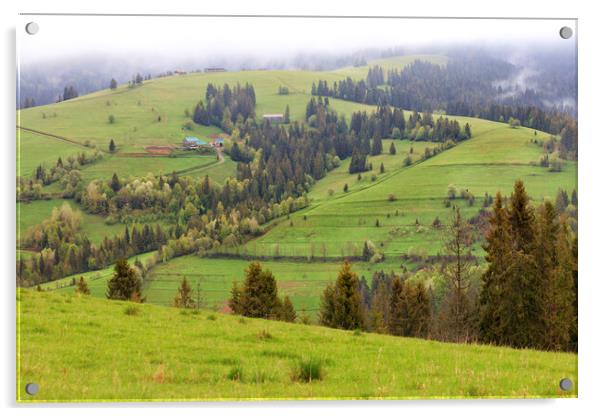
{"x":379,"y":307}
{"x":523,"y":299}
{"x":235,"y":299}
{"x":115,"y":184}
{"x":259,"y":296}
{"x":398,"y":308}
{"x":82,"y":287}
{"x":287,"y":115}
{"x":341,"y":304}
{"x":326,"y":316}
{"x":420,"y":313}
{"x":287,"y":312}
{"x":125,"y":284}
{"x":520,"y":215}
{"x":495,"y":280}
{"x":456,"y":321}
{"x":183,"y":298}
{"x":112,"y":146}
{"x":559,"y":294}
{"x":392,"y":149}
{"x":377,"y":145}
{"x":348,"y":313}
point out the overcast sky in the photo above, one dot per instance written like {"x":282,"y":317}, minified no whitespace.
{"x":167,"y":37}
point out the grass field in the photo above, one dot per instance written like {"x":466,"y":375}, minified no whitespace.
{"x":142,"y":166}
{"x":136,"y":110}
{"x":303,"y":282}
{"x":96,"y":280}
{"x":137,"y":125}
{"x":86,"y":349}
{"x":34,"y":150}
{"x":339,"y":224}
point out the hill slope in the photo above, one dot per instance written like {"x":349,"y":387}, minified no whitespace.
{"x":156,"y":353}
{"x":406,"y":200}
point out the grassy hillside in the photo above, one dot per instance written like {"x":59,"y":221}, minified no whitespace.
{"x":85,"y":349}
{"x":491,"y":161}
{"x":335,"y":225}
{"x":303,"y":282}
{"x":136,"y":110}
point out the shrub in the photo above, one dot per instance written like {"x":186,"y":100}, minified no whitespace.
{"x":308,"y":370}
{"x":391,"y":198}
{"x":211,"y":317}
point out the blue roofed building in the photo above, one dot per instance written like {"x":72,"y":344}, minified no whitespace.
{"x":192,"y":142}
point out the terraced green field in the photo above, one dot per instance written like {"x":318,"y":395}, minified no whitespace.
{"x":491,"y":161}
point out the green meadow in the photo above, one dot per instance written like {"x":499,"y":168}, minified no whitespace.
{"x":406,"y":200}
{"x":34,"y":149}
{"x":78,"y":348}
{"x":302,"y":281}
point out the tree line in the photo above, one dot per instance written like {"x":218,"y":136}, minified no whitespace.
{"x":63,"y":250}
{"x":465,"y":87}
{"x":224,"y":106}
{"x":526,"y":297}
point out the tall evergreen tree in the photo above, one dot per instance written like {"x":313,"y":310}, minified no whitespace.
{"x":399,"y":320}
{"x":495,"y":279}
{"x":341,"y":303}
{"x":377,"y":145}
{"x":456,"y":321}
{"x":115,"y":183}
{"x":259,"y":294}
{"x":287,"y":115}
{"x":392,"y":149}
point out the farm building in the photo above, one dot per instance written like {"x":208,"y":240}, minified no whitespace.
{"x":215,"y":69}
{"x":193,"y":143}
{"x":218,"y":142}
{"x":274,"y":118}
